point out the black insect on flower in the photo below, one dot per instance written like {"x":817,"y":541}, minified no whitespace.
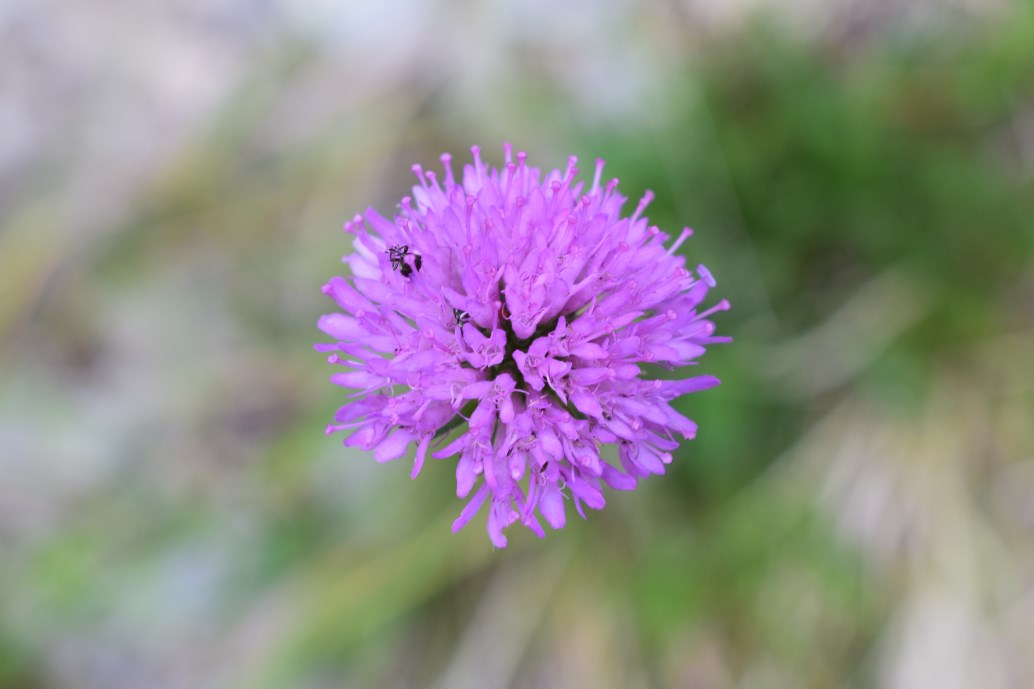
{"x":461,"y":316}
{"x":407,"y":270}
{"x":396,"y":254}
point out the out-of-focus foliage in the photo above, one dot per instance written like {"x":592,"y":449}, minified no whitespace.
{"x":856,"y":511}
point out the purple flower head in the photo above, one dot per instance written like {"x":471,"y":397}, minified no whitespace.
{"x":505,"y":317}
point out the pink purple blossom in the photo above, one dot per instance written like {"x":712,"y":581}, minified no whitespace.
{"x":509,"y":320}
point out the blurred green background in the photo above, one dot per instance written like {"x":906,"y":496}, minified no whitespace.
{"x":858,"y":510}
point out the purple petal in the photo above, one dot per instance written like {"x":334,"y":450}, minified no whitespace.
{"x":341,"y":327}
{"x":616,"y":480}
{"x":421,"y":452}
{"x":500,"y":516}
{"x":466,"y":473}
{"x":470,"y":509}
{"x":589,"y":351}
{"x":550,"y":443}
{"x":551,"y":505}
{"x":393,"y":447}
{"x":358,"y":379}
{"x":584,"y":490}
{"x":587,"y":404}
{"x":452,"y":448}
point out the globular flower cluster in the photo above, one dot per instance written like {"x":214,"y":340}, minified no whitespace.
{"x":509,"y":317}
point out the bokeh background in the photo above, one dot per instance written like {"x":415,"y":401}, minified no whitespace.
{"x":858,"y":510}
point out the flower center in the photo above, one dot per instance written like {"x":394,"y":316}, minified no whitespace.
{"x":513,"y":344}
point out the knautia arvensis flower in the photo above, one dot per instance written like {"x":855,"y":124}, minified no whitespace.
{"x":506,"y":317}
